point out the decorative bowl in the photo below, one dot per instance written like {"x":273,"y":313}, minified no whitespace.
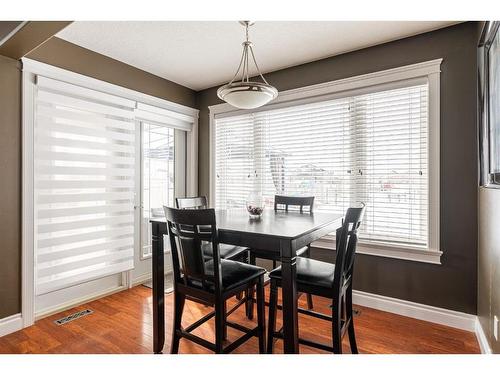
{"x":255,"y":205}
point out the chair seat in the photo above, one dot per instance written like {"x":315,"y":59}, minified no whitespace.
{"x":234,"y":274}
{"x":226,"y":251}
{"x":310,"y":272}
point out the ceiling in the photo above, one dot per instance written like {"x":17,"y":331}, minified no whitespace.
{"x":205,"y":54}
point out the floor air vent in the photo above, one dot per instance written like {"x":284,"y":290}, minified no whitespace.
{"x":72,"y":317}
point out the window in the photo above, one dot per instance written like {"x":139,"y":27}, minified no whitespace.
{"x":157,"y":177}
{"x":371,"y":144}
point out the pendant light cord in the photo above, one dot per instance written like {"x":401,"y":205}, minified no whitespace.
{"x":245,"y":72}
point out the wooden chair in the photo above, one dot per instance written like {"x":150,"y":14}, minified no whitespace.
{"x":211,"y":283}
{"x":192,"y":202}
{"x":226,"y":251}
{"x":286,"y":203}
{"x":326,"y":280}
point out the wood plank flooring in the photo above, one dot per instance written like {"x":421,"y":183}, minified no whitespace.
{"x":122,"y":323}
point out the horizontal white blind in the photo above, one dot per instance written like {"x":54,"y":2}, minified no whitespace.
{"x":370,"y":148}
{"x":84,"y":185}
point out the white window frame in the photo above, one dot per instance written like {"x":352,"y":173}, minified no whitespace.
{"x":358,"y":85}
{"x":179,"y":178}
{"x":147,"y":107}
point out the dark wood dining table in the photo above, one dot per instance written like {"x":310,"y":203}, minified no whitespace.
{"x":281,"y":232}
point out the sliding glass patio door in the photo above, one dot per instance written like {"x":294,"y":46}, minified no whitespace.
{"x":101,"y":173}
{"x":162,"y":168}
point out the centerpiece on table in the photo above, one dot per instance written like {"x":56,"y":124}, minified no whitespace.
{"x":255,"y":205}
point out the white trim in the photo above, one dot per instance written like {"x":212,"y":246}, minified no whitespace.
{"x":11,"y":34}
{"x":415,"y":310}
{"x":28,"y":217}
{"x":192,"y":160}
{"x":46,"y":70}
{"x":144,"y":278}
{"x":434,"y":160}
{"x":81,"y":300}
{"x":141,"y":279}
{"x":211,"y":150}
{"x":481,"y":338}
{"x":11,"y":324}
{"x":406,"y":72}
{"x":386,"y":250}
{"x":342,"y":87}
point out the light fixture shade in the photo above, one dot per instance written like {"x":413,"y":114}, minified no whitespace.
{"x":247,"y":95}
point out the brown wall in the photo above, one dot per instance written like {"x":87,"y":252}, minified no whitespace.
{"x":488,"y":297}
{"x":6,"y":27}
{"x":30,"y":36}
{"x":453,"y":284}
{"x":10,"y":187}
{"x":71,"y":57}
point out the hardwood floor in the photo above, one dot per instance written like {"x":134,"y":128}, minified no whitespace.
{"x":122,"y":323}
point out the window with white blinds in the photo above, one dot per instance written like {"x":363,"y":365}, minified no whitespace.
{"x":84,"y":185}
{"x":370,"y":148}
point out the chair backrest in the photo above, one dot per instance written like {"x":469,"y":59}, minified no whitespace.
{"x":346,"y":238}
{"x":191,"y":202}
{"x":283,"y":202}
{"x":188,"y":230}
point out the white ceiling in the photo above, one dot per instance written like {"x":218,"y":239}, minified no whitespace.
{"x":204,"y":54}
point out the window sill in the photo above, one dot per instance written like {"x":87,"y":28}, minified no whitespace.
{"x":413,"y":254}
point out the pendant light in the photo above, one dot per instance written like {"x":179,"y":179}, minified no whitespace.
{"x":246,"y":94}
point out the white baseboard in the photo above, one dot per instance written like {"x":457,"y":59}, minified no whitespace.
{"x":415,"y":310}
{"x":481,"y":338}
{"x":147,"y":278}
{"x":77,"y":301}
{"x":10,"y":324}
{"x":142,"y":279}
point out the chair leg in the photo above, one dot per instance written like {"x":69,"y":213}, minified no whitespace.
{"x":336,"y":327}
{"x":309,"y":302}
{"x":245,"y":258}
{"x":350,"y":328}
{"x":220,"y":322}
{"x":224,"y":333}
{"x":179,"y":300}
{"x":273,"y":302}
{"x":249,"y":304}
{"x":249,"y":292}
{"x":253,"y":259}
{"x":261,"y":315}
{"x":309,"y":296}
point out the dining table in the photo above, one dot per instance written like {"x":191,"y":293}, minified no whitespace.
{"x":275,"y":231}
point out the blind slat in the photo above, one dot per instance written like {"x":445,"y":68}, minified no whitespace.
{"x":371,"y":148}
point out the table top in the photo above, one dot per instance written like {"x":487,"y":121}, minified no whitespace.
{"x":280,"y":224}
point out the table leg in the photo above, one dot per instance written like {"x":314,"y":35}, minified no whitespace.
{"x":158,"y":275}
{"x":289,"y":290}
